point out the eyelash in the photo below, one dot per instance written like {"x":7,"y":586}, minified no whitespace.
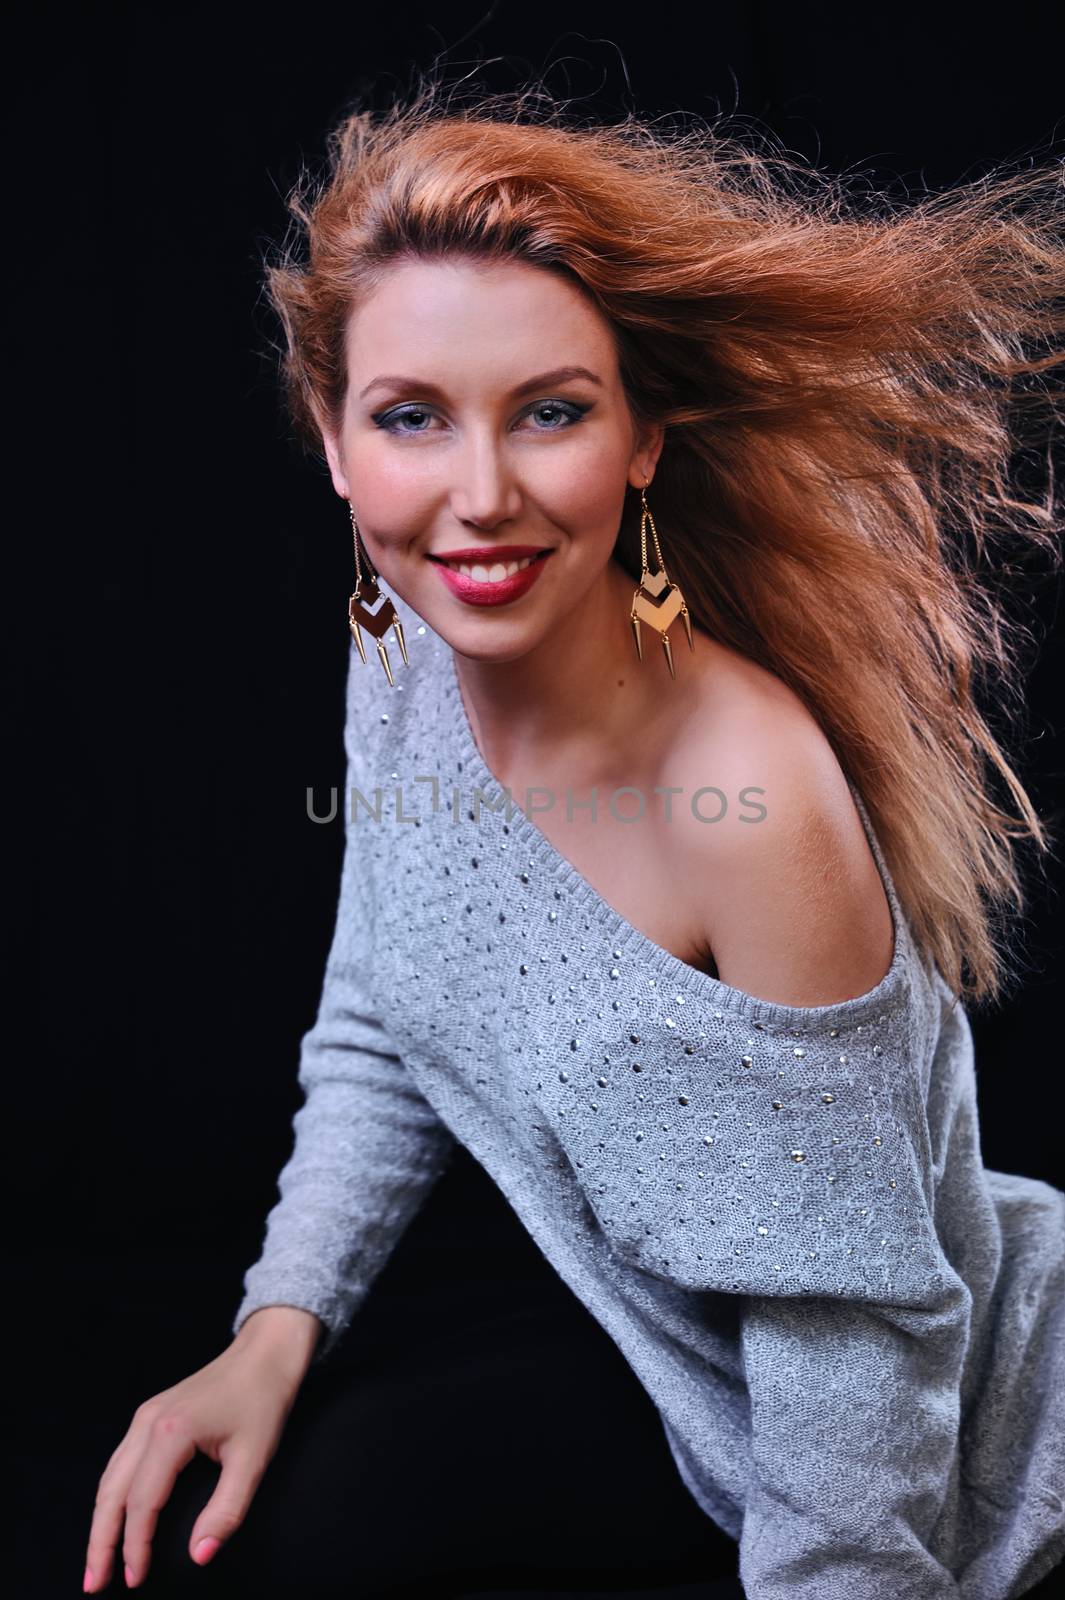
{"x":385,"y":419}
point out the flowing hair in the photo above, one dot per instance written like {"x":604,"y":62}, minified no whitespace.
{"x":851,"y":389}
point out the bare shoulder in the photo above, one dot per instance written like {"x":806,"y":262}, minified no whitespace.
{"x":786,"y":895}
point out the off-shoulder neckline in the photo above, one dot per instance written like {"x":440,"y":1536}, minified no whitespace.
{"x":662,"y":963}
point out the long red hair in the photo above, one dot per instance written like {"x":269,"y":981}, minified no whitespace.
{"x":844,"y":384}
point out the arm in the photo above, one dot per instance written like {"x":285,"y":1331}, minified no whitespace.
{"x":367,"y":1145}
{"x":851,"y":1323}
{"x":854,"y":1385}
{"x":800,"y":1181}
{"x":855,"y":1415}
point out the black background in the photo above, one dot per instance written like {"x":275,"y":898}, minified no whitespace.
{"x":176,"y":642}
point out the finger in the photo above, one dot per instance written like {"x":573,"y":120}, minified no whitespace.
{"x":241,"y":1474}
{"x":170,"y":1447}
{"x":109,"y":1512}
{"x":103,"y":1537}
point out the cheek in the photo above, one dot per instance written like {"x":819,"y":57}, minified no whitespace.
{"x":580,"y":490}
{"x":395,"y":497}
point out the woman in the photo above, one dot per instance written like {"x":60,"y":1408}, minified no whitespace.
{"x":695,"y":1000}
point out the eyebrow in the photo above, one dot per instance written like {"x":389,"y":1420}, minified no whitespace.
{"x":543,"y":380}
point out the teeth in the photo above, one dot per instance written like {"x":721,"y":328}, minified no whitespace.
{"x":493,"y":574}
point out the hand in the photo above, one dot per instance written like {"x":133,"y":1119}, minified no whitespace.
{"x":234,"y":1409}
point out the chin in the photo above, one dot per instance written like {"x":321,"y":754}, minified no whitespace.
{"x":472,"y":643}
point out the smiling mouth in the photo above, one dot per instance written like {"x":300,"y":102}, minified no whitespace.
{"x":491,"y":571}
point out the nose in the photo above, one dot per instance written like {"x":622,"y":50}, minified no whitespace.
{"x":485,"y":492}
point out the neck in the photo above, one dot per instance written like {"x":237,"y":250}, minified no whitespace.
{"x":579,"y":699}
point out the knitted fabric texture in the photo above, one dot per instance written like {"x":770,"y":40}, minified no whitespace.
{"x":853,"y":1332}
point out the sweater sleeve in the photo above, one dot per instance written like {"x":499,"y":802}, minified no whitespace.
{"x":367,"y":1145}
{"x":854,"y":1417}
{"x":798,"y":1177}
{"x":855,"y":1389}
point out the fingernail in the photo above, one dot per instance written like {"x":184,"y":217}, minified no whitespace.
{"x":129,"y":1576}
{"x":88,"y":1581}
{"x":205,"y":1550}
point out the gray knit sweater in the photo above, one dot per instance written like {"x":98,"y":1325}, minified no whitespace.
{"x":853,"y":1332}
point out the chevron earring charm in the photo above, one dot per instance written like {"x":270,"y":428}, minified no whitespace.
{"x":375,"y":622}
{"x":657,"y":601}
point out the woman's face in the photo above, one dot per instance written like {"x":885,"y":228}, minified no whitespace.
{"x":469,"y":428}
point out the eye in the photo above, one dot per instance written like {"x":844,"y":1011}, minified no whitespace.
{"x":567,"y":410}
{"x":560,"y":414}
{"x":387,"y":420}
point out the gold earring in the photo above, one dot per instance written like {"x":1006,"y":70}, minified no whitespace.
{"x":657,"y":600}
{"x":376,"y":622}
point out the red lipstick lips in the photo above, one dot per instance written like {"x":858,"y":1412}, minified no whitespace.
{"x":476,"y":592}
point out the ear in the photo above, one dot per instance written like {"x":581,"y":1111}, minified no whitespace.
{"x":645,"y":455}
{"x":333,"y":455}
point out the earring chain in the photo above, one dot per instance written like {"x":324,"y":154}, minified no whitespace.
{"x":645,"y":518}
